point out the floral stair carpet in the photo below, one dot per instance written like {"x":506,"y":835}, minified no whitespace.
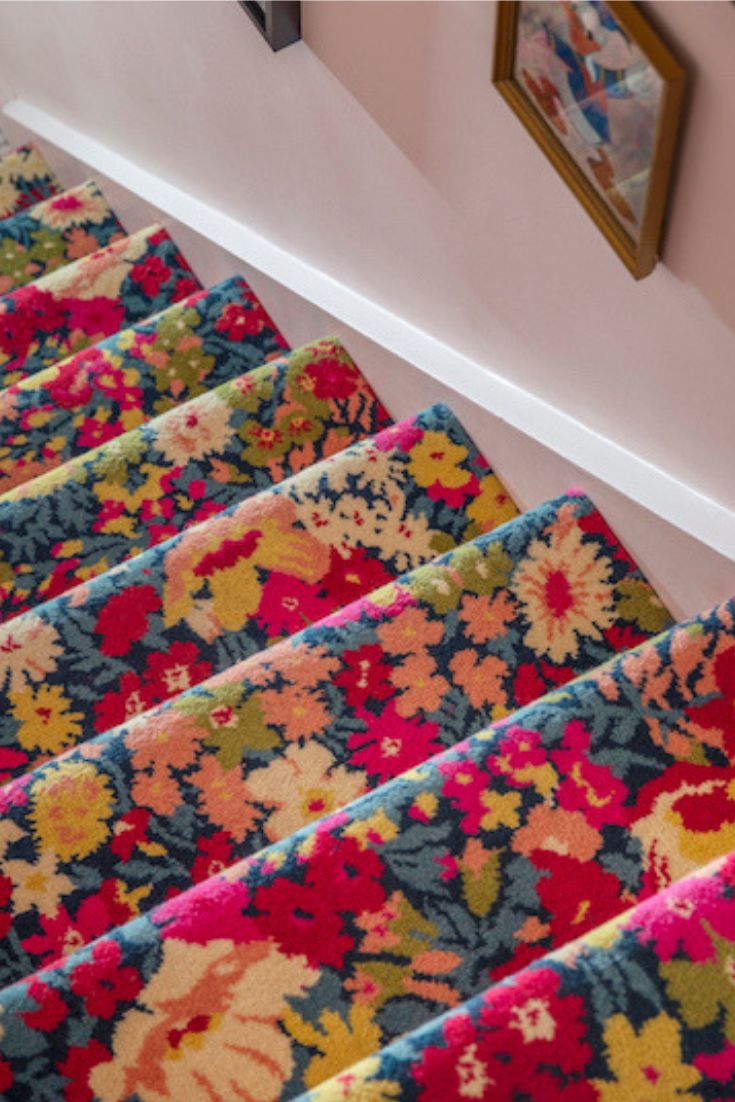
{"x":25,"y":179}
{"x":65,"y":227}
{"x":322,"y":767}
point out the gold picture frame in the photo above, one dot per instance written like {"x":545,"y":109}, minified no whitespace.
{"x":573,"y":103}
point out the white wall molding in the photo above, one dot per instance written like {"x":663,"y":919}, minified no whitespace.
{"x":653,"y":488}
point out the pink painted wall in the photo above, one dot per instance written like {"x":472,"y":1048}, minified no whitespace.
{"x":381,"y":153}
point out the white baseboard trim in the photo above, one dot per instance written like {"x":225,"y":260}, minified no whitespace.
{"x":650,"y":486}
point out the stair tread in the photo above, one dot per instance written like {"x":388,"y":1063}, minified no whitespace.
{"x":54,"y":233}
{"x":127,"y":379}
{"x":299,"y":730}
{"x":193,"y":461}
{"x":417,"y":895}
{"x":90,"y":299}
{"x":25,"y":179}
{"x":642,"y":1003}
{"x":199,"y":602}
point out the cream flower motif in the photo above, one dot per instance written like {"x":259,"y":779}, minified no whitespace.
{"x":8,"y":197}
{"x":209,"y":1028}
{"x":29,"y":648}
{"x":37,"y":884}
{"x":194,"y":430}
{"x":76,"y":207}
{"x":564,"y":590}
{"x":102,"y":273}
{"x":303,"y":785}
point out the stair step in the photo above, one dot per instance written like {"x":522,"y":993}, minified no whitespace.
{"x":90,"y":299}
{"x":138,"y":373}
{"x":314,"y":722}
{"x":639,"y":1008}
{"x":409,"y":901}
{"x":25,"y":179}
{"x":194,"y":461}
{"x":54,"y":233}
{"x":212,"y":595}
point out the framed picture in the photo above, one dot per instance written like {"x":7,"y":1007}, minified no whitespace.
{"x":279,"y":21}
{"x":601,"y":94}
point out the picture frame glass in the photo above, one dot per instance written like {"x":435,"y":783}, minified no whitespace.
{"x":599,"y":94}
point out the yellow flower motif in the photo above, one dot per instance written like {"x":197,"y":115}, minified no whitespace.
{"x":493,"y":505}
{"x":564,"y":589}
{"x":373,"y":831}
{"x":437,"y":459}
{"x":502,"y":810}
{"x":37,"y":884}
{"x":647,"y":1066}
{"x":71,"y":807}
{"x":339,"y":1042}
{"x":45,"y":723}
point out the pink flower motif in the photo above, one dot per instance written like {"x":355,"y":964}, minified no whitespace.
{"x":683,"y":917}
{"x":288,"y":604}
{"x":402,"y":436}
{"x":587,"y":787}
{"x":391,"y":744}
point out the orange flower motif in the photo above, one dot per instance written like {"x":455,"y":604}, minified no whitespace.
{"x":482,"y":680}
{"x":225,"y":798}
{"x":421,"y":688}
{"x":487,"y":617}
{"x":299,"y":713}
{"x":554,"y":830}
{"x":410,"y":630}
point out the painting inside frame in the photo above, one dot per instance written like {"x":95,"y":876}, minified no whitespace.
{"x":599,"y":93}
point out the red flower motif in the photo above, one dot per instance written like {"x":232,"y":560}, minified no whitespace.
{"x":150,"y":274}
{"x":455,"y":496}
{"x":238,"y":321}
{"x":94,"y":432}
{"x":184,"y":286}
{"x":719,"y":713}
{"x":96,"y":317}
{"x":288,"y":604}
{"x":577,"y":895}
{"x":130,"y":831}
{"x":308,"y":916}
{"x":6,"y":896}
{"x":173,"y":671}
{"x":71,"y":387}
{"x":392,"y":744}
{"x":16,"y":333}
{"x":349,"y":578}
{"x":102,"y":983}
{"x":123,"y":620}
{"x":528,"y":1041}
{"x":63,"y":934}
{"x":402,"y":436}
{"x":46,"y":313}
{"x":331,"y":379}
{"x":6,"y":1076}
{"x":52,"y":1010}
{"x":215,"y":854}
{"x":528,"y":684}
{"x":130,"y":698}
{"x":76,"y":1068}
{"x":365,"y":675}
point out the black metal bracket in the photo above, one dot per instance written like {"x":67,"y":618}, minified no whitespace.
{"x":279,"y":21}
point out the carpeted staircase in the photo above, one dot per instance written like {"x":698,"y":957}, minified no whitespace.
{"x":325,"y":771}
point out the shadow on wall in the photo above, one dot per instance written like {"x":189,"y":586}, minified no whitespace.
{"x":421,"y":70}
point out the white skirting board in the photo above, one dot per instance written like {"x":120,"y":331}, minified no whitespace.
{"x":684,"y":540}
